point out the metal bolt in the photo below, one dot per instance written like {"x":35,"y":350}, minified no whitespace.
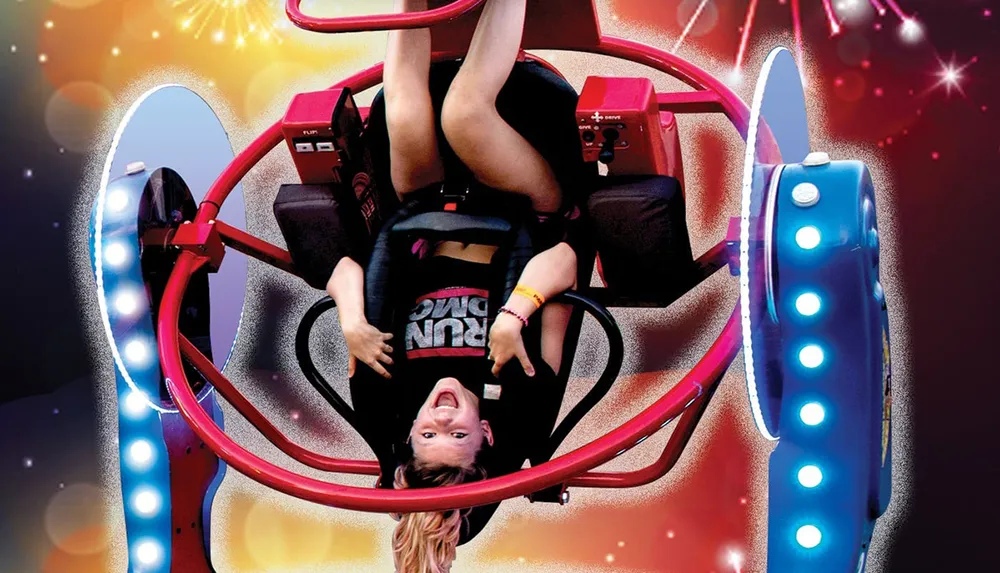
{"x":564,"y":498}
{"x":816,"y":159}
{"x":135,"y":167}
{"x":805,"y":195}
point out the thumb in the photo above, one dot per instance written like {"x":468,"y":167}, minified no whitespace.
{"x":352,"y":363}
{"x":522,"y":356}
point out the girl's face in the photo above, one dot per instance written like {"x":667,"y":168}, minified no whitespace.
{"x":448,"y":430}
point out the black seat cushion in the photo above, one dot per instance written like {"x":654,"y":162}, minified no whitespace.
{"x":639,"y":227}
{"x":321,"y":225}
{"x":536,"y":102}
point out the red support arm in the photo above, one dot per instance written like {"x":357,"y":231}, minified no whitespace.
{"x":257,"y":248}
{"x":698,"y":101}
{"x":671,"y":452}
{"x":402,"y":21}
{"x":232,"y":395}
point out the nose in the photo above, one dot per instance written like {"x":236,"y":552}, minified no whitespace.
{"x":443,"y":416}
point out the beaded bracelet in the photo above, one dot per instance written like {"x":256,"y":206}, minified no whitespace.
{"x":505,"y":310}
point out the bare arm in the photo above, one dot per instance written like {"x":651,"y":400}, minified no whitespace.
{"x":365,"y":342}
{"x":549,"y":273}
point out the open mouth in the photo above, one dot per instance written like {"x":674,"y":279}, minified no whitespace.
{"x":446,"y":399}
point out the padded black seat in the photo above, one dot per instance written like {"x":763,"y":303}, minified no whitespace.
{"x":639,"y":227}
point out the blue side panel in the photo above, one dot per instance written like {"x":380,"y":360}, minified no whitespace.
{"x":826,"y":474}
{"x":144,"y":462}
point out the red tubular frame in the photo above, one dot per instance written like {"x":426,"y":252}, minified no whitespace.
{"x":402,"y":21}
{"x":691,"y":394}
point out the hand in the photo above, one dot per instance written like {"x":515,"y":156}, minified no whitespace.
{"x":506,"y":343}
{"x":369,"y":345}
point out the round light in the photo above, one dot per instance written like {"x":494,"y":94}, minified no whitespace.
{"x":135,"y":404}
{"x":808,"y":536}
{"x":148,"y":552}
{"x":810,"y":476}
{"x":807,"y":238}
{"x":807,"y":304}
{"x":126,"y":303}
{"x":140,"y":454}
{"x":115,"y":254}
{"x":811,"y":356}
{"x":117,"y":201}
{"x":812,"y":414}
{"x":146,"y":502}
{"x":136,"y":352}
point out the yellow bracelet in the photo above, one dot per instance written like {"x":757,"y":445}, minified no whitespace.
{"x":530,"y":293}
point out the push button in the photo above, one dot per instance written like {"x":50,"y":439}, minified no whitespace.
{"x":304,"y":147}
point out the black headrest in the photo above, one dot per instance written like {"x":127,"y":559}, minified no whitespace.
{"x":536,"y":102}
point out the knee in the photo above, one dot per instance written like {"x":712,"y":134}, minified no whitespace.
{"x":463,"y":117}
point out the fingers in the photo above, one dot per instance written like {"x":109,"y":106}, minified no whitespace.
{"x":386,"y":349}
{"x":385,"y":358}
{"x":379,"y":369}
{"x":386,"y":335}
{"x":522,"y":356}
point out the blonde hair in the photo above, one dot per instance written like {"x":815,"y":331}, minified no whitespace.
{"x":426,"y":542}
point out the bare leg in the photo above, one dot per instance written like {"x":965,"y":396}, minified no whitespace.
{"x":413,"y":148}
{"x":497,"y":155}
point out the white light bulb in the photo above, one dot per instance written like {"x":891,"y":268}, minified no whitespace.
{"x":135,"y":404}
{"x":148,"y":552}
{"x":810,"y":476}
{"x":136,"y":352}
{"x":146,"y":502}
{"x":126,"y":303}
{"x":115,"y":254}
{"x":807,"y":238}
{"x":807,"y":304}
{"x":808,"y":536}
{"x":117,"y":201}
{"x":811,"y":356}
{"x":140,"y":454}
{"x":812,"y":414}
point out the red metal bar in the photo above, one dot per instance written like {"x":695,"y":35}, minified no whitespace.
{"x":401,"y":21}
{"x":716,"y":360}
{"x":556,"y":471}
{"x":257,"y":248}
{"x":678,"y":441}
{"x":232,"y":395}
{"x":698,"y":101}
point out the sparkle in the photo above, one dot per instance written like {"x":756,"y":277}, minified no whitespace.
{"x":156,"y":34}
{"x":295,"y":414}
{"x":235,"y":19}
{"x":49,"y":24}
{"x":610,"y":557}
{"x":911,"y":30}
{"x":743,"y":501}
{"x":28,"y":173}
{"x":13,"y":48}
{"x":42,"y":58}
{"x":28,"y":463}
{"x":115,"y":51}
{"x":935,"y":155}
{"x":621,"y":544}
{"x":670,"y":534}
{"x":950,"y":75}
{"x":736,"y":560}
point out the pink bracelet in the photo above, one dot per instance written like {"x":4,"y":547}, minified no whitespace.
{"x":505,"y":310}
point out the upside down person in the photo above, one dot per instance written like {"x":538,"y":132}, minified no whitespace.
{"x":457,"y":337}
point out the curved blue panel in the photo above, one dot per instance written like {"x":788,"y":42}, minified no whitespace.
{"x":827,"y":472}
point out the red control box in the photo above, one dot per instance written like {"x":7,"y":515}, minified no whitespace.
{"x":322,"y":129}
{"x":621,"y":125}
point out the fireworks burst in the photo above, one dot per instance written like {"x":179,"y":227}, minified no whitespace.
{"x":239,"y":21}
{"x":910,"y":29}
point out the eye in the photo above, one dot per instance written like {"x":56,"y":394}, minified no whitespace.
{"x":460,"y":435}
{"x":428,"y":435}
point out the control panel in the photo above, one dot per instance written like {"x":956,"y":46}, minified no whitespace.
{"x":323,"y":132}
{"x":621,"y":126}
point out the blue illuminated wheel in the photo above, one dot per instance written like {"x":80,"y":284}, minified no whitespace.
{"x":815,"y":334}
{"x":829,"y":474}
{"x":167,"y":151}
